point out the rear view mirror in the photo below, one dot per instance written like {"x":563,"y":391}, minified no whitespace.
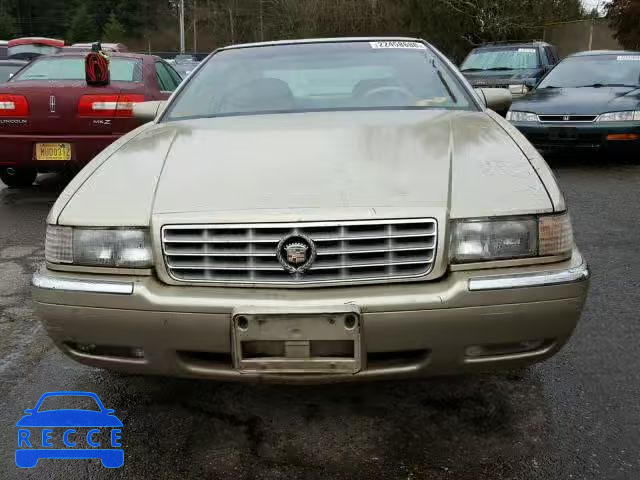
{"x":497,"y":99}
{"x":147,"y":111}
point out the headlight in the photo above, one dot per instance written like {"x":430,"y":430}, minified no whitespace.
{"x":628,"y":116}
{"x":518,"y":89}
{"x":99,"y":247}
{"x":521,"y":116}
{"x":478,"y":240}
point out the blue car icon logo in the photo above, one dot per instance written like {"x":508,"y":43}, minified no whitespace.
{"x":71,"y":433}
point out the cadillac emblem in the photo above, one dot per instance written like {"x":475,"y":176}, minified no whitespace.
{"x":296,"y":253}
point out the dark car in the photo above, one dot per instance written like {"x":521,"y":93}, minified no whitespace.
{"x":590,"y":100}
{"x":509,"y":64}
{"x":185,"y":64}
{"x":9,"y":67}
{"x":50,"y":117}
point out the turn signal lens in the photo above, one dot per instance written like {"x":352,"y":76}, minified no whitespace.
{"x":555,"y":235}
{"x":622,"y":137}
{"x":58,"y":245}
{"x":108,"y":105}
{"x":13,"y":106}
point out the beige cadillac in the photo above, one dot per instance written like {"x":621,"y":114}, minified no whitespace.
{"x":314,"y":211}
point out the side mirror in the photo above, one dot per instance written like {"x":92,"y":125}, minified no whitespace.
{"x":147,"y":111}
{"x":497,"y":99}
{"x":29,"y":410}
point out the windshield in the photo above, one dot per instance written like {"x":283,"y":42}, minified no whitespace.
{"x":507,"y":58}
{"x":66,"y":402}
{"x":320,"y":76}
{"x":596,"y":70}
{"x":72,"y":68}
{"x":7,"y":70}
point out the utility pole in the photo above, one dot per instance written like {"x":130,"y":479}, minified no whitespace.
{"x":181,"y":26}
{"x":231,"y":25}
{"x":195,"y":26}
{"x":261,"y":21}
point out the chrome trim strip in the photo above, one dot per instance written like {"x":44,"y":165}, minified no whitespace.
{"x":527,"y":280}
{"x":87,"y":286}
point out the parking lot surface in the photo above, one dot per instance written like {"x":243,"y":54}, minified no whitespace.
{"x":576,"y":416}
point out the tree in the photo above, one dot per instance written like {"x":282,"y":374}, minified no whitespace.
{"x":624,"y":18}
{"x":8,"y":27}
{"x":84,"y":27}
{"x":113,"y":31}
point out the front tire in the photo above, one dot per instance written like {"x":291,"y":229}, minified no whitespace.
{"x":18,"y":177}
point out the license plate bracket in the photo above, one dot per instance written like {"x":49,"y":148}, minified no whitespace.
{"x":307,"y":341}
{"x":60,"y":152}
{"x":563,"y":133}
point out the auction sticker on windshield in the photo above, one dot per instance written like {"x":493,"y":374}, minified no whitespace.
{"x":629,"y":58}
{"x":398,"y":44}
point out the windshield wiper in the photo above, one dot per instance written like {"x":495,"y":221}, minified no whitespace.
{"x":501,"y":68}
{"x":600,"y":85}
{"x":472,"y":70}
{"x":548,"y":86}
{"x":446,"y":86}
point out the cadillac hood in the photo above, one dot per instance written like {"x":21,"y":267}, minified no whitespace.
{"x":308,"y":166}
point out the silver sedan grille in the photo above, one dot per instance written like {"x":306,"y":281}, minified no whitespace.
{"x":354,"y":251}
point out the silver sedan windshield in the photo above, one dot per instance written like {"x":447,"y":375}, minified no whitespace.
{"x":320,"y":76}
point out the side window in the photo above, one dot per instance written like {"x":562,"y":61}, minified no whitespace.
{"x":177,"y":79}
{"x":164,"y":78}
{"x":551,"y":58}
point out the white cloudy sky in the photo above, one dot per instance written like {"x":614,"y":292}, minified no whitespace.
{"x":589,"y":4}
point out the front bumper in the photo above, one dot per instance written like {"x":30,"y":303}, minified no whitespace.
{"x":571,"y":135}
{"x":465,"y":322}
{"x":18,"y":151}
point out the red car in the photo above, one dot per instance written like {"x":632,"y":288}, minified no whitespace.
{"x":50,"y":117}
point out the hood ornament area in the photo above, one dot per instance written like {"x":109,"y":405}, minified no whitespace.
{"x":296,"y":253}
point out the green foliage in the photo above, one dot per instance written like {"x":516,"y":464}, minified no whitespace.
{"x":452,"y":25}
{"x":84,"y":27}
{"x":624,"y":18}
{"x":8,"y":26}
{"x":114,"y":30}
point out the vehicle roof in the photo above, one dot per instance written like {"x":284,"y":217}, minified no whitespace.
{"x":139,"y":56}
{"x":594,"y":53}
{"x":528,"y":43}
{"x":36,"y":40}
{"x":303,"y":41}
{"x":12,"y":61}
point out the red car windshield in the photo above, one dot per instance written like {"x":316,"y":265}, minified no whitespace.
{"x":72,"y":68}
